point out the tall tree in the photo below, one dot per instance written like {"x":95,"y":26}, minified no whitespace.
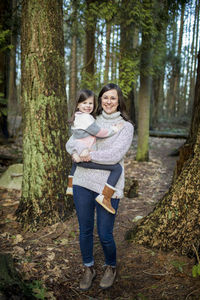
{"x":174,"y":222}
{"x":145,"y":82}
{"x":90,"y":27}
{"x":13,"y":108}
{"x":44,"y":110}
{"x":107,"y":63}
{"x":5,"y":17}
{"x":176,"y":86}
{"x":161,"y":20}
{"x":73,"y":58}
{"x":173,"y":65}
{"x":129,"y":58}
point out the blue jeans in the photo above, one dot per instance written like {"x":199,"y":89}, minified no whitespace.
{"x":85,"y":205}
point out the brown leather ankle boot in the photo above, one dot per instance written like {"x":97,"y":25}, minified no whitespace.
{"x":104,"y":199}
{"x":69,"y":190}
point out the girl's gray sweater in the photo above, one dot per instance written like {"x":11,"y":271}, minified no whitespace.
{"x":110,"y":150}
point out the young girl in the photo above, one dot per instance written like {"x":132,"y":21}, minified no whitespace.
{"x":85,"y":131}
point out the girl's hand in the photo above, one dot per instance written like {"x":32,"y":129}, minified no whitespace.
{"x":85,"y":152}
{"x":119,"y":125}
{"x":76,"y":158}
{"x":86,"y":158}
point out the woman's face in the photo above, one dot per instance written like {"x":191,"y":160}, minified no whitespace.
{"x":109,"y":101}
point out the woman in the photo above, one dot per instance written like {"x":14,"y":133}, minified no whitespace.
{"x":88,"y":184}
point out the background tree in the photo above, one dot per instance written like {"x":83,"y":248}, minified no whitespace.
{"x":129,"y":57}
{"x":73,"y":58}
{"x":90,"y":27}
{"x":145,"y":81}
{"x":174,"y":223}
{"x":13,"y":103}
{"x":44,"y":110}
{"x":5,"y":29}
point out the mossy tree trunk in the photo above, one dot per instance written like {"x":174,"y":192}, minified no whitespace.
{"x":44,"y":111}
{"x":174,"y":223}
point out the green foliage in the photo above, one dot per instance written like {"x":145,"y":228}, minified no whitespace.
{"x":196,"y":270}
{"x":37,"y":288}
{"x":147,"y":19}
{"x":178,"y":265}
{"x":130,"y":12}
{"x":4,"y":34}
{"x":88,"y":80}
{"x":107,"y":10}
{"x":3,"y":106}
{"x":128,"y":74}
{"x":140,"y":296}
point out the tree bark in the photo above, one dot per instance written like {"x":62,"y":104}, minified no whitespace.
{"x":5,"y":18}
{"x":89,"y":68}
{"x":13,"y":108}
{"x":107,"y":63}
{"x":73,"y":62}
{"x":174,"y":223}
{"x":44,"y":111}
{"x":144,"y":99}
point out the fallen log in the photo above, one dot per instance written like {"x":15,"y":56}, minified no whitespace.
{"x":167,"y":134}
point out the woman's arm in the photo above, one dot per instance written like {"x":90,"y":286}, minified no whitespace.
{"x":117,"y":149}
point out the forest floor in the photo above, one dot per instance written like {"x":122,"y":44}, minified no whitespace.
{"x":51,"y":255}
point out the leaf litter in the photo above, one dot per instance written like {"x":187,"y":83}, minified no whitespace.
{"x":52,"y":256}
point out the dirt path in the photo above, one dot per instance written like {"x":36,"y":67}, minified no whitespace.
{"x":52,"y":255}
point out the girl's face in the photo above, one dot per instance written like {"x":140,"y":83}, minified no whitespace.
{"x":109,"y":101}
{"x":87,"y":105}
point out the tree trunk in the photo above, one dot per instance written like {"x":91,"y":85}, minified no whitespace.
{"x":193,"y":62}
{"x":89,"y":68}
{"x":44,"y":111}
{"x":5,"y":18}
{"x":144,"y":100}
{"x":176,"y":92}
{"x":174,"y":62}
{"x":114,"y":53}
{"x":174,"y":223}
{"x":73,"y":62}
{"x":107,"y":63}
{"x":13,"y":108}
{"x":128,"y":63}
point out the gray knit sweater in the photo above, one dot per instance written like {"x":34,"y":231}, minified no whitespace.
{"x":110,"y":150}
